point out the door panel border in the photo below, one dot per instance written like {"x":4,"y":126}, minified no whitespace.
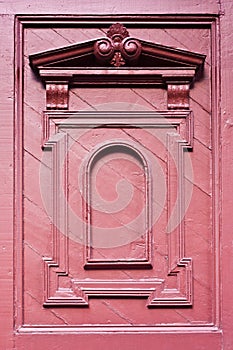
{"x":22,"y":22}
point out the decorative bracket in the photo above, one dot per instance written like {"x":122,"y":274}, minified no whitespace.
{"x":117,"y":59}
{"x":57,"y":95}
{"x":178,"y":96}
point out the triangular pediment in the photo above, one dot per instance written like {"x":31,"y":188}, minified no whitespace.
{"x":117,"y":60}
{"x":117,"y":50}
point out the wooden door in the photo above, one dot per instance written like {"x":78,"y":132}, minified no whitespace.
{"x":117,"y":191}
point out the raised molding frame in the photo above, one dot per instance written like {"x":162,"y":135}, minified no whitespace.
{"x":55,"y":141}
{"x":23,"y":22}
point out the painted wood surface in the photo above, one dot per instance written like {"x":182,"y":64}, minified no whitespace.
{"x":25,"y":322}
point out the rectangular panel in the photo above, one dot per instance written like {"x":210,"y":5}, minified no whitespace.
{"x":83,"y":139}
{"x":116,"y":176}
{"x":64,"y":264}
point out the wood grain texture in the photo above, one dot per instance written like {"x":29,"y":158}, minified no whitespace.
{"x":69,"y":126}
{"x":227,"y":168}
{"x":6,"y":186}
{"x":96,"y":100}
{"x":66,"y":288}
{"x":127,"y":341}
{"x":106,"y":7}
{"x":137,"y":63}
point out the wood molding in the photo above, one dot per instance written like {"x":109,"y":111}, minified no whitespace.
{"x":179,"y":266}
{"x":118,"y":59}
{"x":56,"y":95}
{"x":118,"y":47}
{"x":178,"y":96}
{"x":24,"y":22}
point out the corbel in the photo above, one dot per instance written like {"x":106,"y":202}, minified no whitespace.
{"x":178,"y":87}
{"x":57,"y":94}
{"x":117,"y":59}
{"x":178,"y":96}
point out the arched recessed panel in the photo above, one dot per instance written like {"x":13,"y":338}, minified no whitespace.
{"x":117,"y":208}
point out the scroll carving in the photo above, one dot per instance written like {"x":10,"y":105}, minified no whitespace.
{"x":178,"y":96}
{"x":118,"y":47}
{"x":57,"y":96}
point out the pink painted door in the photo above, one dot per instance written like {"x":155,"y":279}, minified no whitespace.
{"x":117,"y":239}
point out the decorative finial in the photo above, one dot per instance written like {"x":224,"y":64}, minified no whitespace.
{"x":118,"y":47}
{"x":117,"y":30}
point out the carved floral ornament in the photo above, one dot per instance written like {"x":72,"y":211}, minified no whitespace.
{"x":118,"y":47}
{"x":126,"y":61}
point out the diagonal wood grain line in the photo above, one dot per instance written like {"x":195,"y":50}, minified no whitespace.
{"x":37,"y":159}
{"x":32,"y":108}
{"x":32,"y":248}
{"x":42,"y":38}
{"x":180,"y":313}
{"x":118,"y":313}
{"x":202,"y":283}
{"x":83,"y":100}
{"x":199,"y":104}
{"x":148,"y":149}
{"x":197,"y":186}
{"x":36,"y":205}
{"x":202,"y":143}
{"x":122,"y":270}
{"x":200,"y":234}
{"x":88,"y":35}
{"x":62,"y":36}
{"x":54,"y":313}
{"x":144,"y":99}
{"x":181,"y":43}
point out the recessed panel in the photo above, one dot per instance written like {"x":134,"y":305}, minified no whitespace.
{"x":117,"y":207}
